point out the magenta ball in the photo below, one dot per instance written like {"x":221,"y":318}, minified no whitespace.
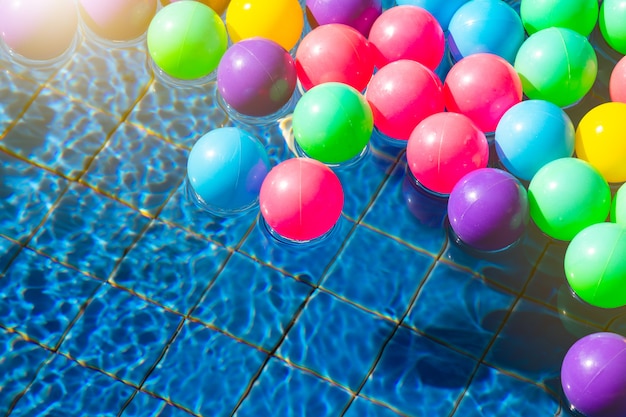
{"x":488,"y":209}
{"x":407,"y":32}
{"x":443,"y":148}
{"x":301,"y":199}
{"x":359,"y":14}
{"x":593,"y":375}
{"x":402,"y":94}
{"x":483,"y":87}
{"x":256,"y":77}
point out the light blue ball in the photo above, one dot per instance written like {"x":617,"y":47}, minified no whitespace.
{"x":485,"y":26}
{"x":442,"y":10}
{"x":531,"y":134}
{"x":226,"y":168}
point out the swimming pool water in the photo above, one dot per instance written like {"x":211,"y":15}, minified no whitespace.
{"x":119,"y":297}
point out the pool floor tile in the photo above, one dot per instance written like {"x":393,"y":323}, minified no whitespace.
{"x":138,"y":168}
{"x":419,"y":377}
{"x":120,"y":334}
{"x":89,"y":231}
{"x":19,"y":361}
{"x":228,"y":231}
{"x":65,"y":388}
{"x":493,"y":393}
{"x":111,"y":79}
{"x":383,"y":279}
{"x":205,"y":371}
{"x":410,"y":214}
{"x":534,"y":341}
{"x":40,"y":297}
{"x":170,"y":266}
{"x":22,"y":90}
{"x":282,"y":390}
{"x":27,"y":194}
{"x":8,"y":250}
{"x":59,"y":133}
{"x":459,"y":309}
{"x":335,"y":340}
{"x":252,"y":302}
{"x":362,"y":407}
{"x":145,"y":405}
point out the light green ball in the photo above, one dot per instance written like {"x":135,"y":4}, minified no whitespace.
{"x":567,"y":195}
{"x":613,"y":24}
{"x":578,"y":15}
{"x":187,"y":39}
{"x":595,"y":265}
{"x":618,"y":208}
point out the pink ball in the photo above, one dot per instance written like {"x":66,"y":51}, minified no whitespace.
{"x":483,"y":87}
{"x":334,"y":53}
{"x":38,"y":29}
{"x":118,"y":20}
{"x":407,"y":32}
{"x":402,"y":94}
{"x":301,"y":199}
{"x":617,"y":83}
{"x":443,"y":148}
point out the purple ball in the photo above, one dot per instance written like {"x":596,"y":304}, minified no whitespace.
{"x":360,"y":14}
{"x":593,"y":375}
{"x":256,"y":77}
{"x":488,"y":209}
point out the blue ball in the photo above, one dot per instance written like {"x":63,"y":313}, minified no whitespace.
{"x":442,"y":10}
{"x":490,"y":26}
{"x":531,"y":134}
{"x":225,"y":170}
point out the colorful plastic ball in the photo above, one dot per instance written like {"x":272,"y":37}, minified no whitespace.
{"x":402,"y":94}
{"x":407,"y":32}
{"x":532,"y":133}
{"x":612,"y":27}
{"x":618,"y":208}
{"x":301,"y":199}
{"x":187,"y":39}
{"x":578,"y":15}
{"x":557,"y":65}
{"x":279,"y":20}
{"x":617,"y":82}
{"x":566,"y":196}
{"x":359,"y":14}
{"x":334,"y":53}
{"x":226,"y":168}
{"x":485,"y":26}
{"x":488,"y":209}
{"x":118,"y":20}
{"x":218,"y":5}
{"x":38,"y":30}
{"x":601,"y":140}
{"x":256,"y":77}
{"x":332,"y":123}
{"x":483,"y":87}
{"x":593,"y":375}
{"x":442,"y":10}
{"x":595,"y":265}
{"x":443,"y":148}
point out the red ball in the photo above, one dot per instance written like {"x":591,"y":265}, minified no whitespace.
{"x":334,"y":52}
{"x":483,"y":87}
{"x":301,"y":199}
{"x":407,"y":32}
{"x":402,"y":94}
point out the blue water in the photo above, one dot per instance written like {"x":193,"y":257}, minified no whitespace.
{"x":120,"y":297}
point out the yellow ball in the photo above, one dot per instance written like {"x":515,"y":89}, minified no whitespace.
{"x":601,"y":140}
{"x":279,"y":20}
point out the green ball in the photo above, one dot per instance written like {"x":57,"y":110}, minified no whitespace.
{"x":567,"y":195}
{"x":187,"y":39}
{"x":557,"y":65}
{"x":613,"y":24}
{"x":578,"y":15}
{"x":595,"y":265}
{"x":332,"y":123}
{"x":618,"y":208}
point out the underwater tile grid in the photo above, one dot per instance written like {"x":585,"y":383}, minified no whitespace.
{"x":118,"y":297}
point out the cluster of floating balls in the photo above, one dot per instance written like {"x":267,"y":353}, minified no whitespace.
{"x":442,"y":79}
